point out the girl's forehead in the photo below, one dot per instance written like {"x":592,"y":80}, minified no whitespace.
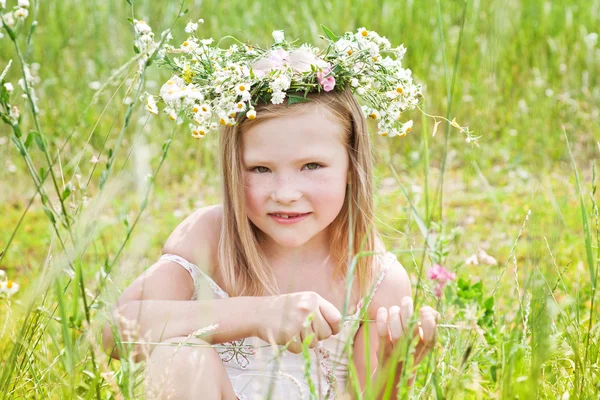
{"x":312,"y":131}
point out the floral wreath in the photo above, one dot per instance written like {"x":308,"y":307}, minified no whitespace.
{"x":212,"y":86}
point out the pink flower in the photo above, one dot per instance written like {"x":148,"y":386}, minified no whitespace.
{"x":328,"y":82}
{"x":442,"y":276}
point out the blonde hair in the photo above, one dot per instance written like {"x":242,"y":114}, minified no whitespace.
{"x":244,"y":267}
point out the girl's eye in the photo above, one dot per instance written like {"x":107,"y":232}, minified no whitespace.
{"x":258,"y":169}
{"x":314,"y":166}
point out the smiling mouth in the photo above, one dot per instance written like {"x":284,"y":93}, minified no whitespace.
{"x":288,"y":216}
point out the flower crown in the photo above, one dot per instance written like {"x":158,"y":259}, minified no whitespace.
{"x":212,"y":86}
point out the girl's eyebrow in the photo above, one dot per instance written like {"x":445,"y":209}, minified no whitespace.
{"x":303,"y":160}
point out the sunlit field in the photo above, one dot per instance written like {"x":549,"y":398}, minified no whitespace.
{"x":92,"y":184}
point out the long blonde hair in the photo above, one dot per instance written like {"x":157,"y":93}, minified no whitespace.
{"x":245,"y":270}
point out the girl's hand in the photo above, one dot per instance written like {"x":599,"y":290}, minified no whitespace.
{"x":282,"y":319}
{"x":392,"y":328}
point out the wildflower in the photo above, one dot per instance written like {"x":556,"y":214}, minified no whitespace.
{"x":9,"y":19}
{"x":9,"y":87}
{"x":407,"y":127}
{"x":277,"y":97}
{"x":141,"y":27}
{"x":442,"y":276}
{"x":151,"y":105}
{"x":278,"y":36}
{"x":472,"y":260}
{"x":328,"y":82}
{"x":242,"y":89}
{"x":251,"y":114}
{"x":21,"y":13}
{"x":362,"y":33}
{"x":191,"y":27}
{"x":8,"y":287}
{"x":23,"y":3}
{"x":486,"y":258}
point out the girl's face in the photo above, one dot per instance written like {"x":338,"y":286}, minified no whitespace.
{"x":295,"y":164}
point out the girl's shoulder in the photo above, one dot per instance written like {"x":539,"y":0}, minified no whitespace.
{"x":197,"y":238}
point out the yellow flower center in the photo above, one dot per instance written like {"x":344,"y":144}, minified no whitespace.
{"x":222,"y":121}
{"x":204,"y":109}
{"x":364,"y":33}
{"x":373,"y":115}
{"x":172,"y":117}
{"x":240,"y":105}
{"x":195,"y":109}
{"x":384,"y":133}
{"x":9,"y":284}
{"x":232,"y":114}
{"x":399,"y":90}
{"x":408,"y":129}
{"x":186,"y":43}
{"x":349,"y":52}
{"x":242,"y":88}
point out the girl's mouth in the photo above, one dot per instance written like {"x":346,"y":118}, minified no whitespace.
{"x":288,"y":218}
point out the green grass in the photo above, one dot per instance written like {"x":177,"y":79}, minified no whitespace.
{"x":519,"y":73}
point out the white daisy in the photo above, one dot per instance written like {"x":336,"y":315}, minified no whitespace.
{"x":251,"y":114}
{"x":191,"y":27}
{"x":277,"y":97}
{"x":407,"y":127}
{"x":278,"y":36}
{"x":151,"y":105}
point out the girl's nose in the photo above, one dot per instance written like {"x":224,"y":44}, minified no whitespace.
{"x":285,"y":192}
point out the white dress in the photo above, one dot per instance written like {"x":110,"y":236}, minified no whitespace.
{"x":255,"y":367}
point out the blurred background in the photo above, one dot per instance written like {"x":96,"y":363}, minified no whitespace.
{"x":522,"y":74}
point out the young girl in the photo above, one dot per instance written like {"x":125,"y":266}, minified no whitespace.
{"x":291,"y":256}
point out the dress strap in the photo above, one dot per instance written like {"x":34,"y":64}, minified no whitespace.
{"x":195,"y":272}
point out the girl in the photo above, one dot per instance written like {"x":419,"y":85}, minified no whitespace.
{"x":269,"y":269}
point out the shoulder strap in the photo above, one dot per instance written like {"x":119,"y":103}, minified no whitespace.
{"x":195,"y":272}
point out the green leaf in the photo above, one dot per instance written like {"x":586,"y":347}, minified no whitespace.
{"x":50,"y":215}
{"x":293,"y":99}
{"x":135,"y":49}
{"x":66,"y":193}
{"x":329,"y":34}
{"x":29,"y":139}
{"x":40,"y":141}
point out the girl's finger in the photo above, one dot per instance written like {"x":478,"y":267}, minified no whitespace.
{"x":306,"y":332}
{"x":396,"y":330}
{"x":428,"y":317}
{"x":382,"y":324}
{"x":406,"y":313}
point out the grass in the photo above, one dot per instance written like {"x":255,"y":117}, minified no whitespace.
{"x":525,"y":75}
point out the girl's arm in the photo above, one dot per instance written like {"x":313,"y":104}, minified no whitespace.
{"x":169,"y":288}
{"x":158,"y":320}
{"x":393,"y":288}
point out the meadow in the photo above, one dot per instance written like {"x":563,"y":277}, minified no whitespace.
{"x":91,"y":184}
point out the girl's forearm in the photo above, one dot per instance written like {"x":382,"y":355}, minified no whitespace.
{"x":154,"y":321}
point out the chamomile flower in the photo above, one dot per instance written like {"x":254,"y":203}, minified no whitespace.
{"x":21,"y":13}
{"x":141,"y":27}
{"x":191,"y":27}
{"x":151,"y":105}
{"x":9,"y":87}
{"x":278,"y":36}
{"x":277,"y":97}
{"x":251,"y":114}
{"x":242,"y":89}
{"x":362,"y":33}
{"x":9,"y":288}
{"x":23,"y":3}
{"x":406,"y":127}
